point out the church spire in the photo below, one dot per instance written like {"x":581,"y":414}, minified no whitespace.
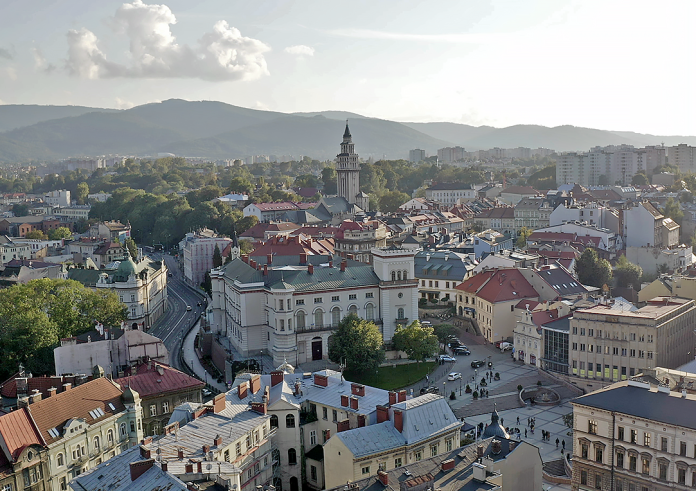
{"x":346,"y":134}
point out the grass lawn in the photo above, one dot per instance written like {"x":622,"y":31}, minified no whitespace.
{"x":390,"y":378}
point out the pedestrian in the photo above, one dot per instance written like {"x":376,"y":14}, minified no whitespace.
{"x":525,"y":432}
{"x":518,"y":420}
{"x":557,"y":442}
{"x":563,"y":443}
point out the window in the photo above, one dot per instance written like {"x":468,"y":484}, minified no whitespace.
{"x":369,"y":312}
{"x":650,"y":338}
{"x":110,"y":437}
{"x":313,"y":437}
{"x":95,"y":443}
{"x":619,"y":460}
{"x":634,"y":436}
{"x":632,"y":462}
{"x":397,"y":462}
{"x":646,"y":439}
{"x":619,"y":485}
{"x":319,"y":318}
{"x":153,"y":409}
{"x":616,"y":351}
{"x":682,"y":449}
{"x":335,"y":298}
{"x":299,"y":302}
{"x":290,"y":421}
{"x":646,"y":465}
{"x":632,"y":353}
{"x":334,"y":415}
{"x":238,"y":449}
{"x":292,"y":456}
{"x":433,"y":450}
{"x":325,"y":413}
{"x":582,"y":331}
{"x":681,"y":475}
{"x":583,"y":477}
{"x":598,"y":454}
{"x":663,"y":444}
{"x":400,"y":313}
{"x":165,"y":407}
{"x":274,"y":421}
{"x":592,"y":427}
{"x":318,"y":300}
{"x":132,"y":426}
{"x":584,"y":450}
{"x":335,"y":316}
{"x":620,"y":435}
{"x":418,"y":455}
{"x":582,"y":346}
{"x":313,"y":473}
{"x":448,"y":445}
{"x":650,"y":355}
{"x":624,"y":352}
{"x":575,"y":330}
{"x":366,"y":470}
{"x":122,"y":430}
{"x":63,"y":484}
{"x":598,"y":481}
{"x":60,"y":460}
{"x":590,"y":332}
{"x":352,"y":296}
{"x":663,"y":471}
{"x":227,"y":455}
{"x":575,"y":346}
{"x":300,"y":320}
{"x":369,"y":295}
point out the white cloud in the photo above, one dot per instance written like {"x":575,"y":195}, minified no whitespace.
{"x":221,"y":54}
{"x":462,"y":38}
{"x":40,"y":62}
{"x":123,"y":104}
{"x":300,"y":50}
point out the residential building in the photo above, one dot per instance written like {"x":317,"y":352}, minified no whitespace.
{"x":677,"y":285}
{"x":113,"y":231}
{"x":501,"y":219}
{"x":583,"y":235}
{"x":439,"y":272}
{"x":644,"y":226}
{"x":512,"y":195}
{"x":288,"y":306}
{"x":532,"y":212}
{"x":107,"y":253}
{"x":23,"y":456}
{"x":398,"y":438}
{"x":418,"y":204}
{"x":451,"y":154}
{"x":234,"y":200}
{"x":508,"y":258}
{"x":141,"y":286}
{"x":490,"y":298}
{"x":660,"y":260}
{"x":98,"y":197}
{"x":489,"y":242}
{"x":683,"y":157}
{"x":555,"y":334}
{"x":611,"y":344}
{"x":72,"y":214}
{"x":292,"y":246}
{"x":332,"y":210}
{"x":83,"y":426}
{"x":24,"y":270}
{"x":113,"y":349}
{"x":60,"y":198}
{"x":355,"y":240}
{"x":593,"y":213}
{"x":634,"y":435}
{"x":416,"y":155}
{"x":527,"y":335}
{"x":161,"y":389}
{"x":348,"y":173}
{"x":196,"y":250}
{"x":267,"y":212}
{"x":9,"y":250}
{"x":451,"y":193}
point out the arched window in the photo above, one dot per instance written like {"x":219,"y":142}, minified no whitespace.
{"x":110,"y":437}
{"x":318,"y":318}
{"x":60,"y":460}
{"x":274,"y":421}
{"x":335,"y":316}
{"x":393,"y":275}
{"x":405,"y":275}
{"x":290,"y":421}
{"x":400,"y":313}
{"x":292,"y":456}
{"x":369,"y":312}
{"x":95,"y":443}
{"x":300,"y":319}
{"x":122,"y":430}
{"x":353,"y":310}
{"x":399,"y":275}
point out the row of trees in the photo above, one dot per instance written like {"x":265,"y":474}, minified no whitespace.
{"x":35,"y":316}
{"x":595,"y":271}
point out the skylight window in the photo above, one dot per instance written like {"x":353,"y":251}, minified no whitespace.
{"x":112,"y":407}
{"x":54,"y":433}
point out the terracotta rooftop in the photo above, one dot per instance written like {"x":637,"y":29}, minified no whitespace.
{"x":9,"y":387}
{"x":294,"y":246}
{"x":501,"y":285}
{"x":18,"y":433}
{"x":520,"y":190}
{"x":55,"y":411}
{"x":152,"y":378}
{"x":255,"y":232}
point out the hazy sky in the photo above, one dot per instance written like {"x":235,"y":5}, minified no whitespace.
{"x":620,"y":65}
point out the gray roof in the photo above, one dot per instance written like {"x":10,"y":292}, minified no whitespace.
{"x":644,"y":403}
{"x":336,"y":205}
{"x":434,"y":263}
{"x":562,"y":324}
{"x":561,"y":280}
{"x":372,"y":439}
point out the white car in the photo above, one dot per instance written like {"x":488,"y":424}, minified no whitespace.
{"x":454,"y":376}
{"x":447,"y":358}
{"x":505,"y":346}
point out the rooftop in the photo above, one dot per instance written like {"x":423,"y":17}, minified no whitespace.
{"x":655,"y":309}
{"x":152,"y":379}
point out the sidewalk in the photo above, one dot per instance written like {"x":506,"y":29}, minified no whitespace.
{"x":192,"y":361}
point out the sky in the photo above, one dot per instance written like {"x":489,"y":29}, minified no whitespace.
{"x":609,"y":64}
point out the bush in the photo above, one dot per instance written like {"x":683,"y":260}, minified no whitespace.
{"x":422,"y":302}
{"x":453,"y":396}
{"x":468,"y":389}
{"x":475,"y":394}
{"x":538,"y":383}
{"x":519,"y":388}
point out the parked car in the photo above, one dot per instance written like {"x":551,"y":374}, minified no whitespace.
{"x":430,"y":390}
{"x":188,"y":308}
{"x":505,"y":346}
{"x":477,"y":363}
{"x":454,"y":376}
{"x":454,"y":344}
{"x":461,"y":350}
{"x":206,"y":392}
{"x":447,"y":358}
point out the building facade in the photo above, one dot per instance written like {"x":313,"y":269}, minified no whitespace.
{"x":196,"y":253}
{"x":355,"y":240}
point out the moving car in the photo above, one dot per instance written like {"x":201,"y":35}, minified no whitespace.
{"x":188,"y":308}
{"x":477,"y":363}
{"x":461,"y":350}
{"x":447,"y":358}
{"x":454,"y":376}
{"x":430,"y":390}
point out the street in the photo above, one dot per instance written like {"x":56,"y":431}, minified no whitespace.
{"x":173,"y":325}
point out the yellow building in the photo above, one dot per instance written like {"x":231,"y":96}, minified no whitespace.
{"x":666,"y":286}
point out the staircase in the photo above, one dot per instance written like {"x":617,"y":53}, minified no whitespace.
{"x":554,"y":471}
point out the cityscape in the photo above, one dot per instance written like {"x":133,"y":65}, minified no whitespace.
{"x":479,"y":279}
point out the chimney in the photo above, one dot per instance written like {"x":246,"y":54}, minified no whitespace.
{"x":383,"y":478}
{"x":343,"y":426}
{"x":245,"y":258}
{"x":276,"y":378}
{"x":180,"y":453}
{"x":146,"y":441}
{"x":479,"y":451}
{"x":331,"y":264}
{"x":252,"y":263}
{"x":310,"y":269}
{"x":168,"y":430}
{"x":164,"y":465}
{"x":447,"y":465}
{"x":303,"y":258}
{"x":206,"y":449}
{"x":382,"y":414}
{"x":344,"y":400}
{"x":496,"y":447}
{"x":35,"y":396}
{"x":242,"y":390}
{"x":343,"y":265}
{"x":218,"y":440}
{"x":357,"y":389}
{"x":269,"y":258}
{"x":362,"y":420}
{"x":66,"y":387}
{"x":354,"y":403}
{"x":22,"y":402}
{"x":21,"y":385}
{"x":402,"y":395}
{"x":137,"y":469}
{"x":321,"y":380}
{"x":259,"y":407}
{"x":52,"y":391}
{"x":392,"y":398}
{"x":189,"y":468}
{"x":219,"y":403}
{"x":265,"y":269}
{"x":398,"y":420}
{"x":144,"y":452}
{"x":255,"y":383}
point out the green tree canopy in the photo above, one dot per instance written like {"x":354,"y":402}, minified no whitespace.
{"x":523,"y":236}
{"x":328,"y":177}
{"x":639,"y":179}
{"x":217,"y":257}
{"x":132,"y":247}
{"x":357,"y":343}
{"x":36,"y":234}
{"x":627,"y":273}
{"x":391,"y":200}
{"x":443,"y":331}
{"x":592,"y":270}
{"x":81,"y":193}
{"x":59,"y":233}
{"x":416,"y":341}
{"x":673,"y":211}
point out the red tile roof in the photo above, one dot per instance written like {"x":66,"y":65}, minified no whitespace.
{"x":501,"y":285}
{"x":256,"y":232}
{"x":157,"y":378}
{"x":55,"y":411}
{"x":282,"y":227}
{"x":9,"y":387}
{"x":18,"y":432}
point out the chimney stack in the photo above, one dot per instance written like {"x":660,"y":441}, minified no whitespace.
{"x":402,"y":395}
{"x":242,"y":390}
{"x":218,"y":440}
{"x":362,"y":420}
{"x":321,"y":380}
{"x":219,"y":403}
{"x":310,"y":268}
{"x":398,"y":420}
{"x":303,"y":258}
{"x":52,"y":391}
{"x":382,"y":414}
{"x":276,"y":378}
{"x":255,"y":383}
{"x":66,"y":387}
{"x":180,"y":453}
{"x":343,"y":265}
{"x":343,"y":426}
{"x":383,"y":478}
{"x":265,"y":269}
{"x":344,"y":400}
{"x":392,"y":398}
{"x":269,"y":258}
{"x":354,"y":403}
{"x":137,"y":469}
{"x":164,"y":465}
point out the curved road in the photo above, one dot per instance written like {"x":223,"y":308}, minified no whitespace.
{"x":173,"y":325}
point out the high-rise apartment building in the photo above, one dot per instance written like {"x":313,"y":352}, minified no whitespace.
{"x":416,"y":155}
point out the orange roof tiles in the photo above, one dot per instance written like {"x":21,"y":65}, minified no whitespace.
{"x":501,"y":285}
{"x":18,"y":432}
{"x":156,"y":378}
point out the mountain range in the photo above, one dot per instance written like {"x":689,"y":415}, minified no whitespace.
{"x":217,"y":130}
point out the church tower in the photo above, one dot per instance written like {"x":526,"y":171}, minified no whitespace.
{"x":348,"y":172}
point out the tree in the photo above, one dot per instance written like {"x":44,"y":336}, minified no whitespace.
{"x":245,"y":246}
{"x":132,"y":247}
{"x":357,"y":343}
{"x":416,"y":341}
{"x":207,"y":284}
{"x":627,"y":273}
{"x":217,"y":257}
{"x":59,"y":233}
{"x":246,"y":223}
{"x":443,"y":331}
{"x":639,"y":179}
{"x":592,"y":270}
{"x":328,"y":177}
{"x":36,"y":234}
{"x":81,"y":193}
{"x":523,"y":236}
{"x":391,"y":200}
{"x":673,"y":211}
{"x":20,"y":210}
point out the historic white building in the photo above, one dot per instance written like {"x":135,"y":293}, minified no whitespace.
{"x":197,"y":249}
{"x":348,"y":173}
{"x":288,"y":306}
